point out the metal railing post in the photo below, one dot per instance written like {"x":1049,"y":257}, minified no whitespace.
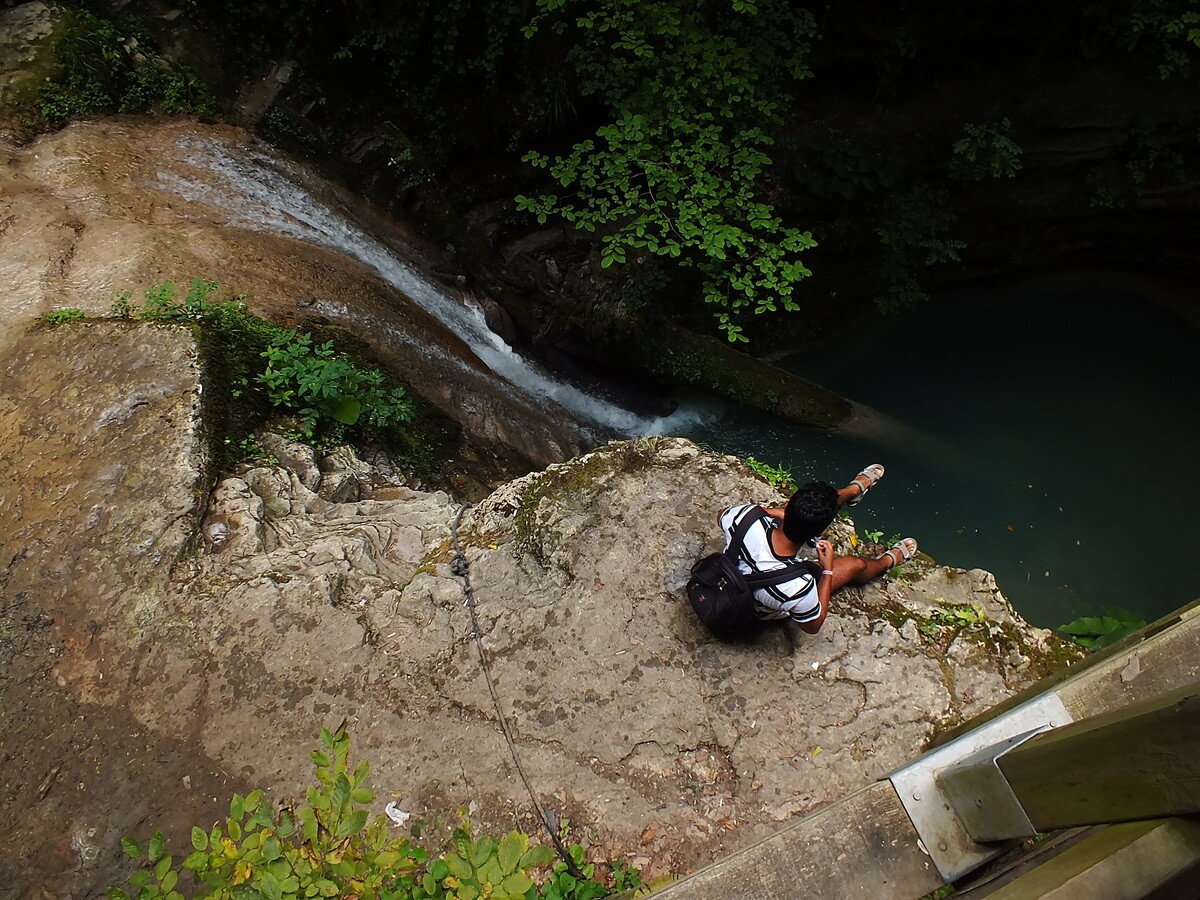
{"x":1140,"y":762}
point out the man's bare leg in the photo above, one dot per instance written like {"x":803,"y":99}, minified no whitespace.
{"x":856,"y":570}
{"x":859,"y":485}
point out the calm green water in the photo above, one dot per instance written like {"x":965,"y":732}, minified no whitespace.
{"x":1052,"y":439}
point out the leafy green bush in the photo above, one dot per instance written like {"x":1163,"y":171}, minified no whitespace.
{"x":1097,"y":632}
{"x":964,"y":616}
{"x":778,"y":477}
{"x":107,"y":68}
{"x":1173,"y":26}
{"x":291,"y":371}
{"x":66,"y":314}
{"x":330,"y":847}
{"x":692,"y":90}
{"x":987,"y":151}
{"x":311,"y":377}
{"x":915,"y":233}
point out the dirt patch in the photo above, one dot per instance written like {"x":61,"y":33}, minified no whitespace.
{"x":78,"y":776}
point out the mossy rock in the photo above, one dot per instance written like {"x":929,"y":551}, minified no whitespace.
{"x":29,"y":34}
{"x":710,"y":364}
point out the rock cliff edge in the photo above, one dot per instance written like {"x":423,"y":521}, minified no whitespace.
{"x":166,"y":644}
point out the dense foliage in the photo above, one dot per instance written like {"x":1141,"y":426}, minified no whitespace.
{"x":330,"y":846}
{"x":295,"y":373}
{"x":718,"y":150}
{"x":106,"y":69}
{"x":694,"y":91}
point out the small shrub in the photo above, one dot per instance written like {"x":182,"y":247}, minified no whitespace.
{"x":987,"y":151}
{"x":106,"y":68}
{"x":331,"y":847}
{"x":313,"y":379}
{"x":66,"y":314}
{"x":283,"y":127}
{"x":777,"y":476}
{"x":1098,"y":632}
{"x":279,"y":368}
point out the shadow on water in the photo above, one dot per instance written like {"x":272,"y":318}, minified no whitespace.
{"x":1048,"y":437}
{"x":878,"y":429}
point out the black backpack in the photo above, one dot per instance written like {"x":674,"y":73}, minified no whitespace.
{"x":723,"y":596}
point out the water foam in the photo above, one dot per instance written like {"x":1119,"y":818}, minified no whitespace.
{"x":262,"y":192}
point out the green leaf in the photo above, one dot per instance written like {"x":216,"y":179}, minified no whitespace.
{"x":1112,"y":637}
{"x":1125,"y":617}
{"x":1083,"y":626}
{"x":541,"y":855}
{"x":287,"y":825}
{"x":458,"y":865}
{"x":131,"y":847}
{"x":489,"y":872}
{"x":237,"y":808}
{"x":261,"y":818}
{"x":196,"y":862}
{"x":253,"y":799}
{"x":168,"y":883}
{"x":483,"y":849}
{"x":162,"y":867}
{"x":353,"y":823}
{"x":514,"y":886}
{"x":117,"y":893}
{"x":154,"y":849}
{"x":362,"y":795}
{"x":438,"y":869}
{"x":199,"y":838}
{"x":308,"y":824}
{"x":320,"y":759}
{"x":270,"y":887}
{"x":341,"y":792}
{"x":510,"y":850}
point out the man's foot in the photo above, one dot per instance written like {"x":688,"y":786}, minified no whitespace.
{"x":900,"y":553}
{"x":863,"y":482}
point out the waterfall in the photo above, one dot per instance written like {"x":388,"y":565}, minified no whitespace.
{"x":261,"y":192}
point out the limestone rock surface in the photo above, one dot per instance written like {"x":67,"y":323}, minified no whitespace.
{"x":230,"y":625}
{"x":101,"y":208}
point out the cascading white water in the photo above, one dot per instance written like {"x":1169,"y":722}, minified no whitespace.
{"x":261,"y":192}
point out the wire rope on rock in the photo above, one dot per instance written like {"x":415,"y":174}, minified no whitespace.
{"x":462,"y":569}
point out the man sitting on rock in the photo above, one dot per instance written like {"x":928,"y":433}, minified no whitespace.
{"x":777,"y":540}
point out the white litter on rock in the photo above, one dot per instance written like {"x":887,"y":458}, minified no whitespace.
{"x":397,"y":815}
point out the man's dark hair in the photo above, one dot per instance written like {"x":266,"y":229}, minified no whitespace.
{"x":810,"y":511}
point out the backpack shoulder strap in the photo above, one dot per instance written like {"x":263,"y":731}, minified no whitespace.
{"x":775,"y":576}
{"x":753,"y":514}
{"x":778,"y":576}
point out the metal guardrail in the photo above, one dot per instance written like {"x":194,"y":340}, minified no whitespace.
{"x":1032,"y":770}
